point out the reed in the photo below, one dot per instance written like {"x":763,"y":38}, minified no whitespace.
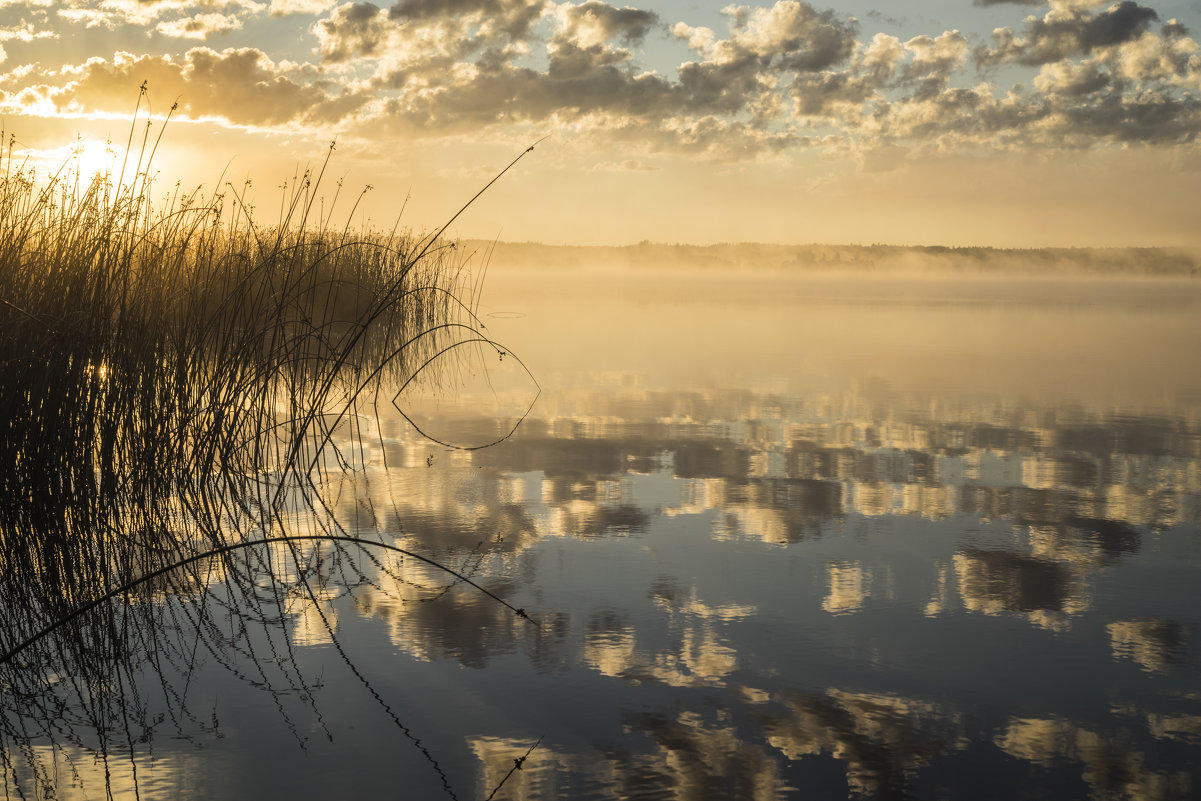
{"x":154,"y":356}
{"x":171,"y":374}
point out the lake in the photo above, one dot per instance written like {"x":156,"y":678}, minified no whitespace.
{"x":778,"y":535}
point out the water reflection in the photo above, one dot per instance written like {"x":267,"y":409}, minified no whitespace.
{"x":1154,"y":644}
{"x":765,"y":591}
{"x":1016,"y":522}
{"x":1108,"y":765}
{"x":882,"y":740}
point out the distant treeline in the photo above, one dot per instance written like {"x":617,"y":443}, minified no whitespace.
{"x":1158,"y":261}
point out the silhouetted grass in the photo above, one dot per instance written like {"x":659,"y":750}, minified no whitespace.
{"x":156,"y":357}
{"x":171,"y":374}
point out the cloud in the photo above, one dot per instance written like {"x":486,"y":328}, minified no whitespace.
{"x":581,"y":49}
{"x":458,"y":78}
{"x":25,"y":32}
{"x":1173,"y":29}
{"x":241,"y":85}
{"x":781,"y":77}
{"x":354,"y":29}
{"x":594,"y":23}
{"x":1067,"y":31}
{"x":1072,"y":79}
{"x":1152,"y":118}
{"x":1070,"y":106}
{"x":823,"y":94}
{"x":507,"y":19}
{"x":89,"y":17}
{"x":283,"y":8}
{"x":1170,"y":58}
{"x":200,"y":26}
{"x":115,"y":14}
{"x":786,"y":74}
{"x":717,"y":138}
{"x":719,"y":87}
{"x":789,"y":35}
{"x":424,"y":38}
{"x":921,"y":67}
{"x":937,"y":57}
{"x":518,"y":94}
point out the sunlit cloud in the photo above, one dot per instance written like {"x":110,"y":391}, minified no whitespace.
{"x":782,"y":82}
{"x":1068,"y":30}
{"x":200,"y":26}
{"x":115,"y":14}
{"x":25,"y":32}
{"x":781,"y":76}
{"x":242,"y":86}
{"x":282,"y":8}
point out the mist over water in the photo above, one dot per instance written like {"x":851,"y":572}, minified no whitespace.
{"x":784,"y":536}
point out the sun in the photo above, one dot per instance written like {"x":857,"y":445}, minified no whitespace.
{"x":84,"y":158}
{"x":92,"y":157}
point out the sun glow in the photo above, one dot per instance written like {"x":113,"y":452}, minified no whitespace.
{"x":85,"y":158}
{"x":91,"y":157}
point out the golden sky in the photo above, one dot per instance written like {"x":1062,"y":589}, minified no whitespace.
{"x":1066,"y":122}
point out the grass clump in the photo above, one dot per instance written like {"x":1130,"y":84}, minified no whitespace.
{"x":171,"y":374}
{"x":159,"y":354}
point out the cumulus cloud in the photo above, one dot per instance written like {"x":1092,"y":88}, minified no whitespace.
{"x":511,"y":19}
{"x":708,"y":136}
{"x":88,"y":17}
{"x":417,"y":38}
{"x":785,"y":74}
{"x":354,"y":29}
{"x":789,"y":35}
{"x":283,"y":8}
{"x":115,"y":14}
{"x":1073,"y":79}
{"x":776,"y":76}
{"x":199,"y":26}
{"x":519,"y":94}
{"x":1081,"y":107}
{"x":1151,"y":118}
{"x":733,"y":90}
{"x":25,"y":32}
{"x":452,"y":74}
{"x":937,"y":56}
{"x":594,"y":23}
{"x":1171,"y":59}
{"x":1067,"y":31}
{"x":241,"y":85}
{"x":823,"y":94}
{"x":918,"y":68}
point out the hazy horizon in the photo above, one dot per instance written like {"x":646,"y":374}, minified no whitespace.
{"x":1118,"y":262}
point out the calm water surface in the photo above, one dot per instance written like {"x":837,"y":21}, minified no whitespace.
{"x":782,"y":537}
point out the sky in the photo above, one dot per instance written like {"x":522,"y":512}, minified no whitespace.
{"x":932,"y":122}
